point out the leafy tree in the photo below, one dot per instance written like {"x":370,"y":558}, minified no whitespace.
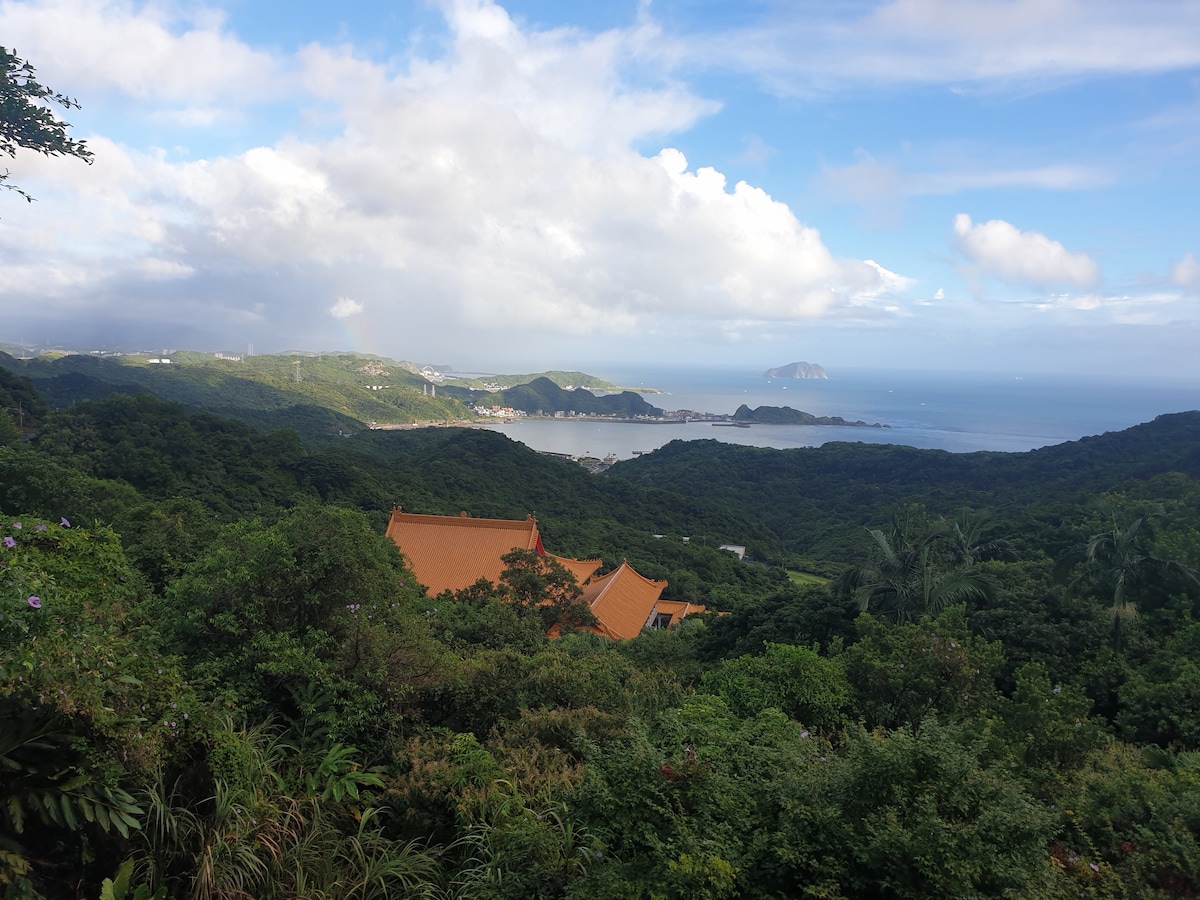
{"x":1130,"y":823}
{"x":26,"y":122}
{"x":87,"y":708}
{"x":902,"y":674}
{"x":317,"y":597}
{"x":537,"y":584}
{"x":811,"y":689}
{"x":907,"y":814}
{"x":1160,"y":703}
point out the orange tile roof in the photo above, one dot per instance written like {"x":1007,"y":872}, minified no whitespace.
{"x":622,"y":601}
{"x":582,"y":569}
{"x":453,"y":552}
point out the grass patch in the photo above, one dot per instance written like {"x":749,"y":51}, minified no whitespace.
{"x":798,"y":577}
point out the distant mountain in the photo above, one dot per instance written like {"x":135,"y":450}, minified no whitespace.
{"x":313,"y":393}
{"x":785,"y":415}
{"x":543,"y":395}
{"x":565,"y":380}
{"x":796,"y":370}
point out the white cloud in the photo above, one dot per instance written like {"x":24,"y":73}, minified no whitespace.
{"x":140,"y":50}
{"x":344,"y":308}
{"x":1186,"y":272}
{"x":999,"y":249}
{"x":867,"y":178}
{"x":494,"y":187}
{"x":805,"y":47}
{"x":1120,"y":309}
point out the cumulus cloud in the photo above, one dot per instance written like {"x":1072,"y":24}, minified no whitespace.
{"x":494,"y":187}
{"x":1186,"y":272}
{"x":998,"y":249}
{"x":344,"y":308}
{"x":141,"y":51}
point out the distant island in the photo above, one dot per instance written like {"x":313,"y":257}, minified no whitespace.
{"x":796,"y":370}
{"x":785,"y":415}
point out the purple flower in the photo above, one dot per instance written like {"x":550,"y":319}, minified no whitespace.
{"x":8,"y":541}
{"x":35,"y":602}
{"x":41,"y":527}
{"x":804,"y":734}
{"x":64,"y":523}
{"x":1057,"y":689}
{"x":17,"y":525}
{"x":902,"y":665}
{"x":1094,"y":867}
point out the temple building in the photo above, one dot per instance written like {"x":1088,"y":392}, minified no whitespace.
{"x":454,"y":552}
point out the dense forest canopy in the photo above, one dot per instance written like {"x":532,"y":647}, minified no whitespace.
{"x":218,"y":678}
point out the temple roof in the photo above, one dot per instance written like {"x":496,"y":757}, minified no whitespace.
{"x":453,"y":552}
{"x":622,"y":601}
{"x":582,"y":569}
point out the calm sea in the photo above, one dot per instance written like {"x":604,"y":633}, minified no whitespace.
{"x":950,"y":411}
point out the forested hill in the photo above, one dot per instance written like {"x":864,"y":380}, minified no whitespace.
{"x":316,"y":395}
{"x":810,"y":504}
{"x":811,"y":496}
{"x":218,"y":678}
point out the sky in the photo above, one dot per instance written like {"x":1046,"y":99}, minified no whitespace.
{"x":997,"y":185}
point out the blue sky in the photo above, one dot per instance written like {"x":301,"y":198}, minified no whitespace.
{"x":1003,"y":185}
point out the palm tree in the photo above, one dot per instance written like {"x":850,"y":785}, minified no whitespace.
{"x":970,"y":543}
{"x":1119,"y":557}
{"x":910,"y":579}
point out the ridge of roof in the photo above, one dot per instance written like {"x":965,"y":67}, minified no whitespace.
{"x":463,"y":521}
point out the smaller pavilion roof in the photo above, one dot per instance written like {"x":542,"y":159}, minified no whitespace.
{"x":622,"y":601}
{"x":582,"y":569}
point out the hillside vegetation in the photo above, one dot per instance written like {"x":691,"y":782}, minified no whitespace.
{"x":218,"y":678}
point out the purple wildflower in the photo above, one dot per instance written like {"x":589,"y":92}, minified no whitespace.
{"x":64,"y":523}
{"x":1057,"y":689}
{"x":902,"y":665}
{"x":41,"y":527}
{"x":8,"y":541}
{"x":35,"y":602}
{"x":1094,"y":867}
{"x":17,"y":525}
{"x":804,"y":734}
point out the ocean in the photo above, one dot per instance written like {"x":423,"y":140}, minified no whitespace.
{"x":955,"y":411}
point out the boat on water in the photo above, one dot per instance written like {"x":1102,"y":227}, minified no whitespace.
{"x":730,"y":425}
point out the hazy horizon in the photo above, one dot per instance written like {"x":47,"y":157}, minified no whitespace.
{"x":970,"y":186}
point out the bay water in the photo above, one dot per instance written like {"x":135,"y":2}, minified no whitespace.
{"x":955,"y":411}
